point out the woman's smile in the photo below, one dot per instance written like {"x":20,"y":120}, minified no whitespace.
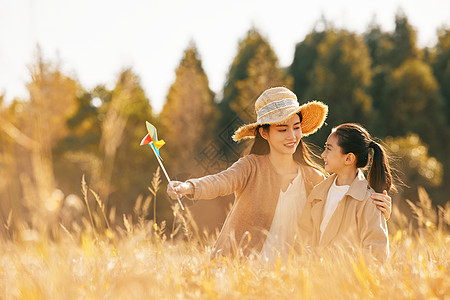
{"x":290,"y":145}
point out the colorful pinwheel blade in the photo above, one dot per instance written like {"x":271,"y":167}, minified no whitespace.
{"x":146,"y":140}
{"x":152,"y":131}
{"x":159,"y":144}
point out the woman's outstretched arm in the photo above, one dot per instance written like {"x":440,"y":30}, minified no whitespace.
{"x":211,"y":186}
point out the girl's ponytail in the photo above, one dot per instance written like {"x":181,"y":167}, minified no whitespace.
{"x":355,"y":139}
{"x":379,"y":177}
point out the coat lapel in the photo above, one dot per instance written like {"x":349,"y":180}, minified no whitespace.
{"x":356,"y":191}
{"x":333,"y":225}
{"x":317,"y":200}
{"x":316,"y":216}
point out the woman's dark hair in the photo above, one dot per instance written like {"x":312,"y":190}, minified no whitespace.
{"x":302,"y":154}
{"x":353,"y":138}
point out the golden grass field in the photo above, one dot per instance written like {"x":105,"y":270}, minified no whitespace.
{"x":100,"y":260}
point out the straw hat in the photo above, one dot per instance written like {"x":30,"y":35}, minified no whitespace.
{"x":277,"y":104}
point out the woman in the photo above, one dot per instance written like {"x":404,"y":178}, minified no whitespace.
{"x":339,"y":209}
{"x":271,"y":183}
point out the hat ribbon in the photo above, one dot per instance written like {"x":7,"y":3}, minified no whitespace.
{"x":276,"y":105}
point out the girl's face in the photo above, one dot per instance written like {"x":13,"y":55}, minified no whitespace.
{"x":333,"y":157}
{"x":284,"y":138}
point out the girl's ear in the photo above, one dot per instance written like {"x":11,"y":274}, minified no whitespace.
{"x":350,"y":159}
{"x":263,"y":133}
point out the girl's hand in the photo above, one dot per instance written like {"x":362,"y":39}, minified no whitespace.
{"x":383,"y":203}
{"x":178,"y":189}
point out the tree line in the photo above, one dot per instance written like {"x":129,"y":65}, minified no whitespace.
{"x":62,"y":132}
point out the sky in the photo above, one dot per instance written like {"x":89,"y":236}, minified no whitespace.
{"x":94,"y":40}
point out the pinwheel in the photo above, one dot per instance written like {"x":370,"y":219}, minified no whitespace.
{"x":151,"y":139}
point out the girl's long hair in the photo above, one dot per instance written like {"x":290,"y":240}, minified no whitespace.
{"x":353,"y":138}
{"x":302,"y":154}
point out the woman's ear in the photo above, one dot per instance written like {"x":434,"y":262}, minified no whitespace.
{"x":350,"y":159}
{"x":263,"y":133}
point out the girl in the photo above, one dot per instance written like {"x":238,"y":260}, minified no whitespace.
{"x":271,"y":184}
{"x":339,"y":209}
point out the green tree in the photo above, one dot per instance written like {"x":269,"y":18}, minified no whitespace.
{"x":84,"y":125}
{"x":340,"y":77}
{"x":189,"y":115}
{"x":388,"y":51}
{"x":380,"y":44}
{"x":412,"y":103}
{"x":441,"y":70}
{"x":77,"y":153}
{"x":16,"y":189}
{"x":120,"y":170}
{"x":263,"y":72}
{"x":305,"y":56}
{"x":9,"y":185}
{"x":405,"y":94}
{"x":52,"y":100}
{"x":404,"y":42}
{"x":391,"y":49}
{"x":254,"y":69}
{"x":441,"y":66}
{"x":30,"y":130}
{"x":417,"y":167}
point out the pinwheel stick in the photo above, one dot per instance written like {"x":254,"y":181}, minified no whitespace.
{"x":165,"y":172}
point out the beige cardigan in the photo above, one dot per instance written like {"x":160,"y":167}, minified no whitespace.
{"x":355,"y":224}
{"x":257,"y":186}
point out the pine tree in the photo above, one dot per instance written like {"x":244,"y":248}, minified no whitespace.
{"x":126,"y":168}
{"x":418,"y":167}
{"x":52,"y":101}
{"x":441,"y":70}
{"x":412,"y":103}
{"x":10,"y":140}
{"x":189,"y":116}
{"x":254,"y":69}
{"x":78,"y":154}
{"x":340,"y":78}
{"x":305,"y":56}
{"x":84,"y":126}
{"x":404,"y":42}
{"x":388,"y":50}
{"x":380,"y":44}
{"x":263,"y":72}
{"x":239,"y":71}
{"x":405,"y":93}
{"x":441,"y":66}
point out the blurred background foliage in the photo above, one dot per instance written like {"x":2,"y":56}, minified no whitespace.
{"x":62,"y":131}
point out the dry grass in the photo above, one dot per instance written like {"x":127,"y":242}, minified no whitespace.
{"x":142,"y":260}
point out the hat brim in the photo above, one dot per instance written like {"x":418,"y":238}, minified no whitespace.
{"x":314,"y":114}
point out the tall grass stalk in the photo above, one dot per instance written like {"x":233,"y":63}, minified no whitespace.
{"x":153,"y":190}
{"x":84,"y":191}
{"x":138,"y":262}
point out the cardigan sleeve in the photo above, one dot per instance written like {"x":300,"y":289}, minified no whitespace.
{"x":373,"y":232}
{"x":224,"y":183}
{"x":305,"y":225}
{"x":312,"y":177}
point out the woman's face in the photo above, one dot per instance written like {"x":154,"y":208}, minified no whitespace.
{"x":284,"y":138}
{"x":332,"y":156}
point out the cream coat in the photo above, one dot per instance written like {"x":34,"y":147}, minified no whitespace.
{"x":355,"y":224}
{"x":257,"y":186}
